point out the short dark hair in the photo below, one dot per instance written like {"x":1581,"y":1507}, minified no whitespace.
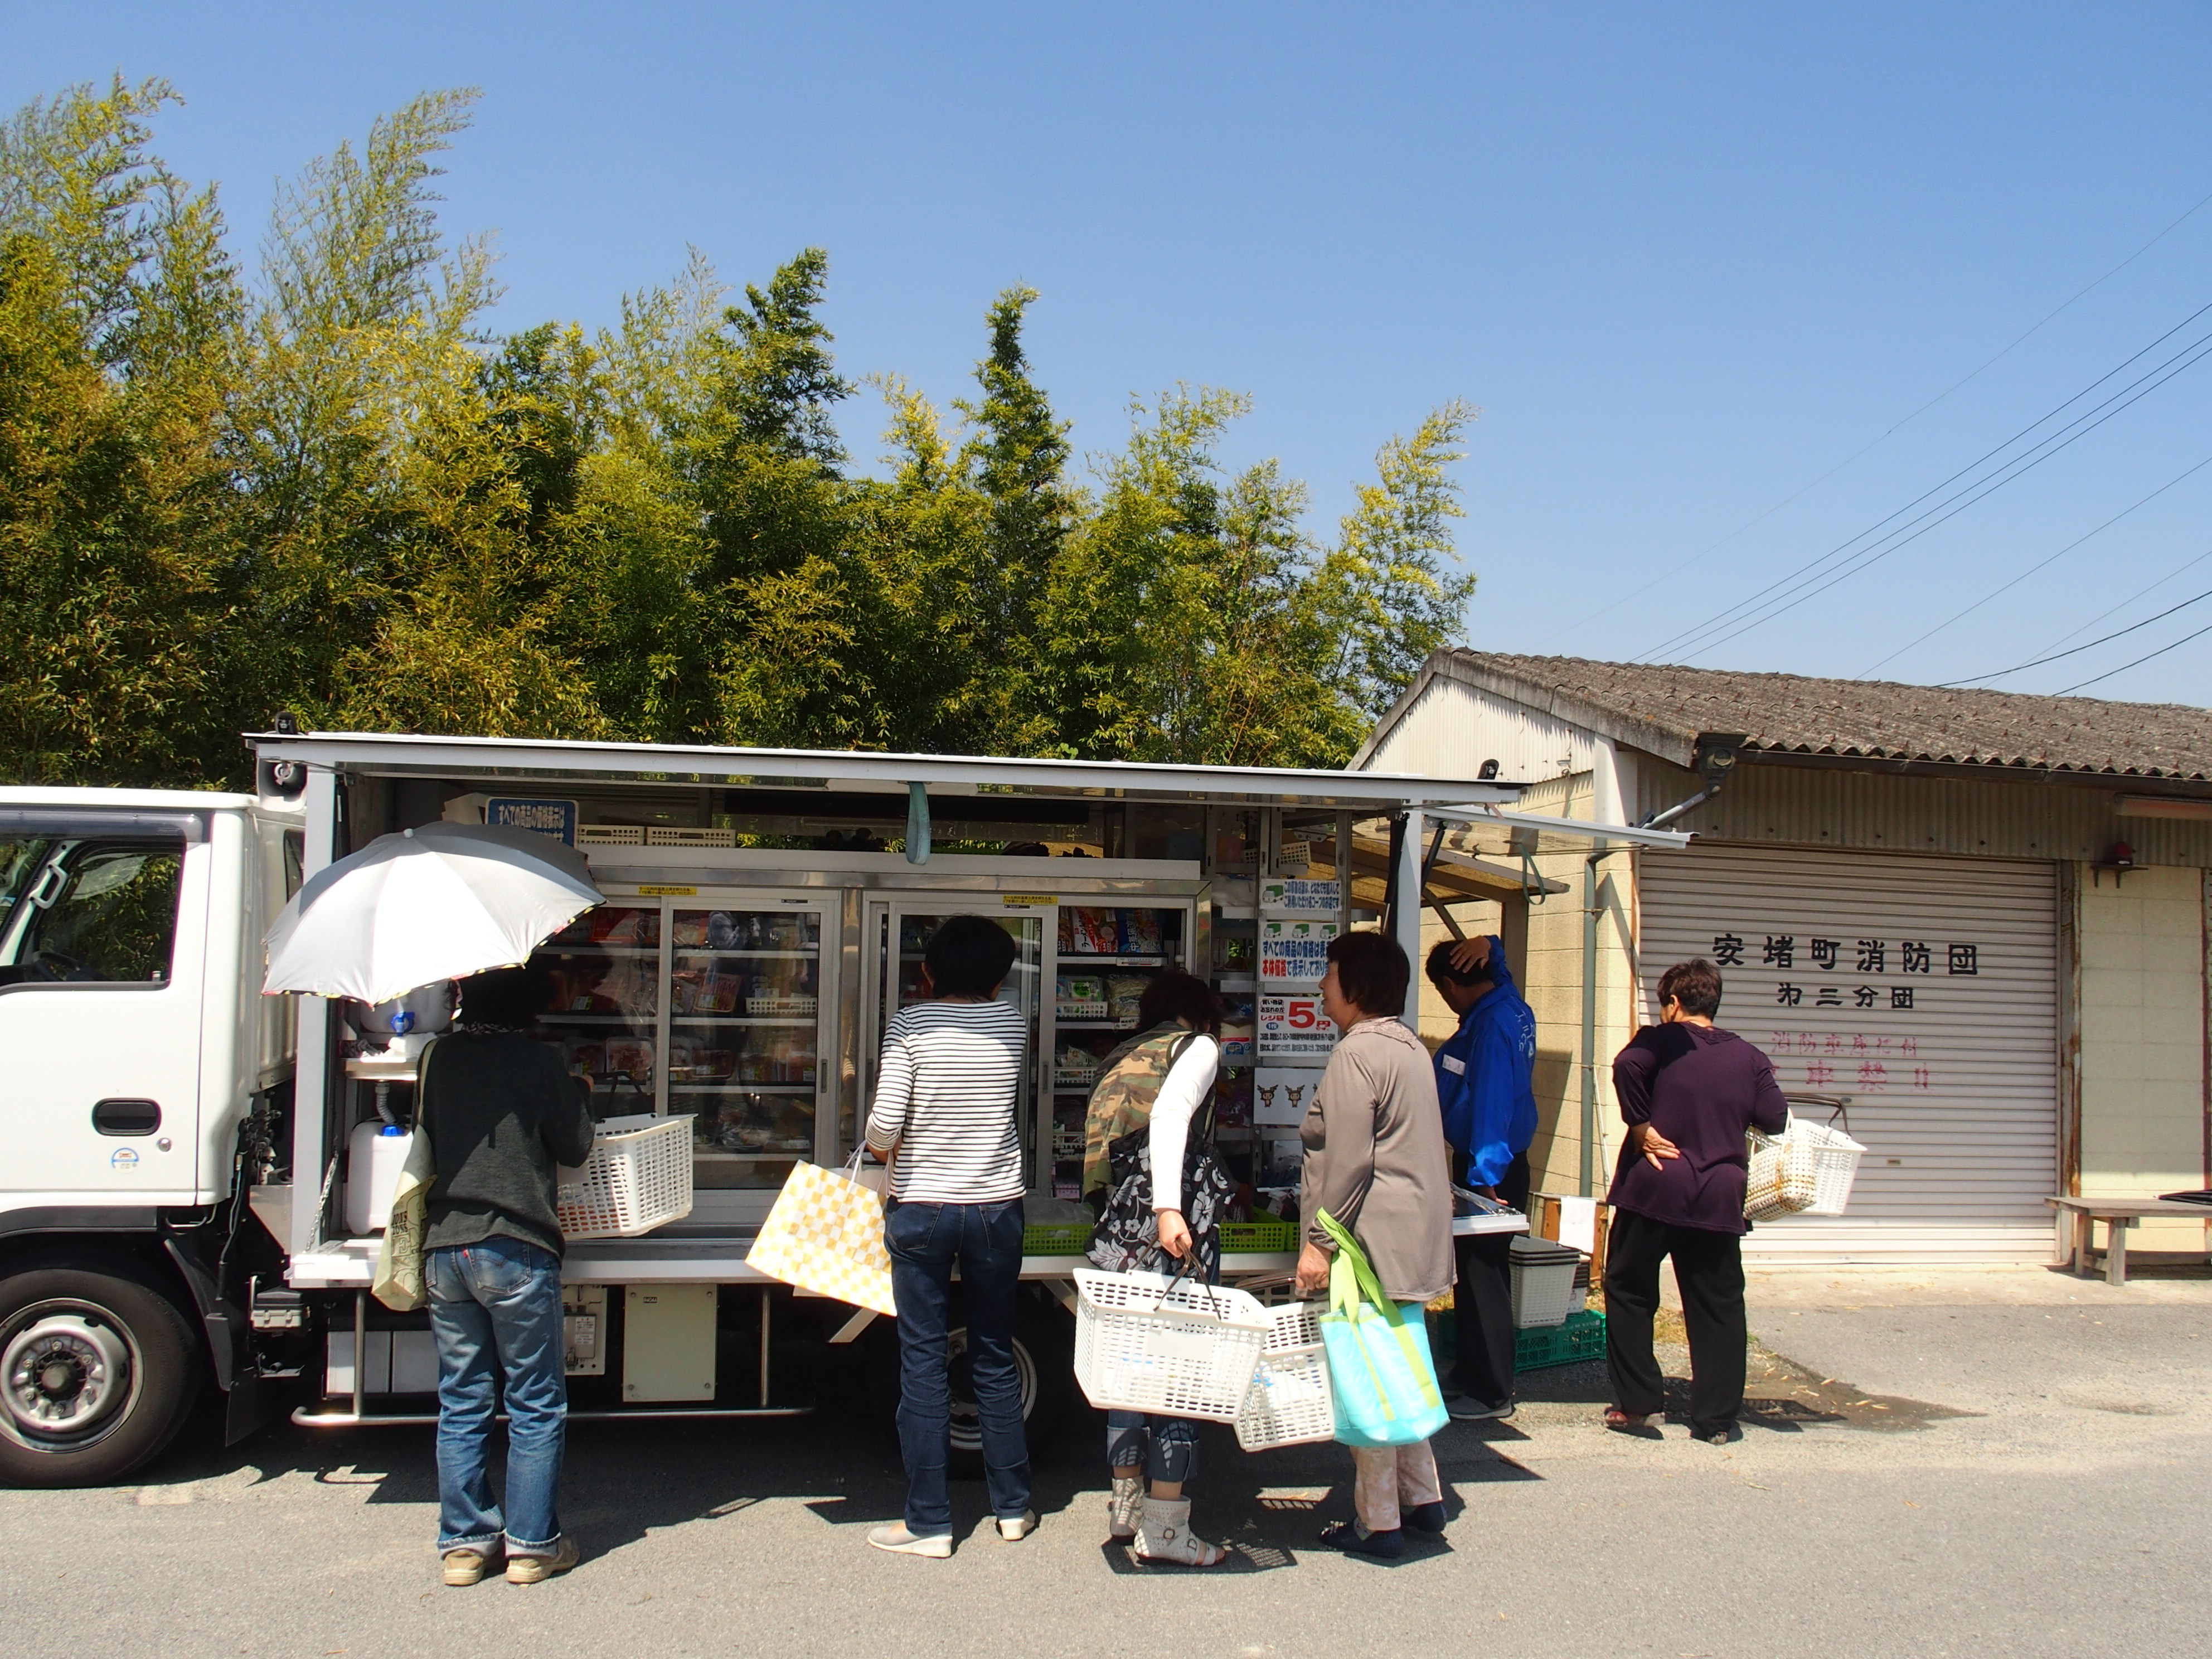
{"x":1372,"y":969}
{"x":1696,"y":984}
{"x":1441,"y":970}
{"x":508,"y":997}
{"x":968,"y":956}
{"x":1177,"y":995}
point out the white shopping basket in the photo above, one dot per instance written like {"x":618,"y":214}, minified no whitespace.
{"x":1146,"y":1343}
{"x":1288,"y":1403}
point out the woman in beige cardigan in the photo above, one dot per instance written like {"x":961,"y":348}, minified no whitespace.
{"x":1376,"y":1160}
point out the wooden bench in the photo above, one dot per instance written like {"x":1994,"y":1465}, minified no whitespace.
{"x":2118,"y":1214}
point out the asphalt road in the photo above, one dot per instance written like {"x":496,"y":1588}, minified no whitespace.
{"x":1983,"y":1463}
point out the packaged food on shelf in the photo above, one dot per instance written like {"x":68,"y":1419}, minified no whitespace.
{"x":1141,"y":933}
{"x":1074,"y":1068}
{"x":609,"y":926}
{"x":630,"y":1056}
{"x":1123,"y":993}
{"x":1237,"y":1034}
{"x":1079,"y":996}
{"x":1092,"y":930}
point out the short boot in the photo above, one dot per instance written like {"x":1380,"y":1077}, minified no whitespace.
{"x":1164,"y":1537}
{"x":1123,"y":1508}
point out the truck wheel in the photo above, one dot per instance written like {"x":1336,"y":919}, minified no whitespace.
{"x":96,"y":1375}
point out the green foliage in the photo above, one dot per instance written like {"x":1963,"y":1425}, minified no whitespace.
{"x":337,"y":492}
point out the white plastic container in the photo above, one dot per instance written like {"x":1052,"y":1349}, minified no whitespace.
{"x":1146,"y":1344}
{"x":375,"y":1152}
{"x":1543,"y":1282}
{"x":1289,"y":1402}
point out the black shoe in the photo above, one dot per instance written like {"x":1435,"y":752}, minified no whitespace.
{"x":1425,"y":1518}
{"x":1345,"y":1535}
{"x":1715,"y":1434}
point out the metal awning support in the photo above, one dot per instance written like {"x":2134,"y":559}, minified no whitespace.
{"x":1582,"y":828}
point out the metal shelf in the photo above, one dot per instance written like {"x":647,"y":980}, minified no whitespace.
{"x":643,"y":1021}
{"x":1095,"y":1025}
{"x":1071,"y":960}
{"x":587,"y":947}
{"x":692,"y":952}
{"x":797,"y":1020}
{"x":733,"y":1087}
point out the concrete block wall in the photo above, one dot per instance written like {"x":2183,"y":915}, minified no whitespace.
{"x":2143,"y":1033}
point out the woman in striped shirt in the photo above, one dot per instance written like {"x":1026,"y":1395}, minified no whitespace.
{"x":944,"y":1119}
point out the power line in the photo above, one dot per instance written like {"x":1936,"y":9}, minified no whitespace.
{"x":2183,"y":569}
{"x":2018,"y":668}
{"x":2139,"y":661}
{"x":1999,"y":592}
{"x":1784,"y":587}
{"x":1890,"y":431}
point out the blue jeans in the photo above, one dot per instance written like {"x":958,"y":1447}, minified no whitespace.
{"x":495,"y":1311}
{"x":926,"y":1241}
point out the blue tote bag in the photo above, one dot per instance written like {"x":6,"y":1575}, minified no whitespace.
{"x":1379,"y":1369}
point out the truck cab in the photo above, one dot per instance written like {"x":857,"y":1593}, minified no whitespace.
{"x":133,"y":1047}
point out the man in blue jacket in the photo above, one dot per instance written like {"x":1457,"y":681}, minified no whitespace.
{"x":1485,"y":1084}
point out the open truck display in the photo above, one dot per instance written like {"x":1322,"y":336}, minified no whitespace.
{"x":188,"y":1167}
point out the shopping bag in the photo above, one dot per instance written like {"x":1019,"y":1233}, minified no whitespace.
{"x":397,"y":1282}
{"x":826,"y":1234}
{"x":1382,"y":1382}
{"x":1785,"y":1173}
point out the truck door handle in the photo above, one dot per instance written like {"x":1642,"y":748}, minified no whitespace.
{"x":126,"y":1117}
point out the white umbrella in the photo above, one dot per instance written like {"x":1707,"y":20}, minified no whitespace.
{"x":425,"y":905}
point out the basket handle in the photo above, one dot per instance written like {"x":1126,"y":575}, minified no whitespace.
{"x":1213,"y":1302}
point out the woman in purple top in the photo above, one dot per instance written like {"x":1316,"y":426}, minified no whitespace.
{"x":1688,"y":1091}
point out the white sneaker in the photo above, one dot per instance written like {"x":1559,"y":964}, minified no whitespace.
{"x":1014,"y":1531}
{"x":899,"y":1541}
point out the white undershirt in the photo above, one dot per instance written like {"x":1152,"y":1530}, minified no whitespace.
{"x":1186,"y":1086}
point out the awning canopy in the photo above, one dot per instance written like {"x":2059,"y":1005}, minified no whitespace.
{"x":550,"y":760}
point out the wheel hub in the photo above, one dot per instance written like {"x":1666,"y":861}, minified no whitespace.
{"x":64,"y":1373}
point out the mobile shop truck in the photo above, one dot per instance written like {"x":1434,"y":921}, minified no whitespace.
{"x":188,"y":1167}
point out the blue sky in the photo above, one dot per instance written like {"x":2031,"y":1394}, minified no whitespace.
{"x":1687,"y":260}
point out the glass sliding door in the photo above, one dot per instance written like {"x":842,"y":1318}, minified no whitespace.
{"x":900,"y":932}
{"x":745,"y":1011}
{"x":1105,"y":956}
{"x":605,"y":970}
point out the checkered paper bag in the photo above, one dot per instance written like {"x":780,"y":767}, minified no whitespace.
{"x":826,"y":1234}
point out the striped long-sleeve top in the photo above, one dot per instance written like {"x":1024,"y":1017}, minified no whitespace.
{"x":946,"y":1094}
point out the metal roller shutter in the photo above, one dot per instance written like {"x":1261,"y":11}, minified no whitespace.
{"x":1925,"y":988}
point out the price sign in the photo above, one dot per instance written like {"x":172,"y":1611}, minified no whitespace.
{"x":1292,"y":1027}
{"x":1293,"y":954}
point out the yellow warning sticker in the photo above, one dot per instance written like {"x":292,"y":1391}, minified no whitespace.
{"x":669,"y":892}
{"x":1012,"y":900}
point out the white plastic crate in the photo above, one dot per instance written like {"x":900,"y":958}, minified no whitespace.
{"x":638,"y":1177}
{"x":1835,"y":1167}
{"x":1543,"y":1282}
{"x":1288,"y":1403}
{"x":1144,"y":1343}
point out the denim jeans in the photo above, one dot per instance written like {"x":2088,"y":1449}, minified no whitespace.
{"x":985,"y":1240}
{"x":495,"y":1311}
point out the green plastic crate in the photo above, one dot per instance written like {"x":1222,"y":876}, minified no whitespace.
{"x":1064,"y":1238}
{"x":1583,"y":1337}
{"x":1258,"y":1237}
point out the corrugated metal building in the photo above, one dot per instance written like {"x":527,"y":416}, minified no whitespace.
{"x":1983,"y":916}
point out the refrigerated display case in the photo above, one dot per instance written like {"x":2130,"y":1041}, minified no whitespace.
{"x":705,"y":1006}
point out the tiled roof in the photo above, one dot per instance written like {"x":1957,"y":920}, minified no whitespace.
{"x":1663,"y":709}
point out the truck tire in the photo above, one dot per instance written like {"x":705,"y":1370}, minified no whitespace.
{"x":97,"y":1374}
{"x":1044,"y":1357}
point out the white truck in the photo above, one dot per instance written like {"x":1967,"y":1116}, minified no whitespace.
{"x":173,"y":1228}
